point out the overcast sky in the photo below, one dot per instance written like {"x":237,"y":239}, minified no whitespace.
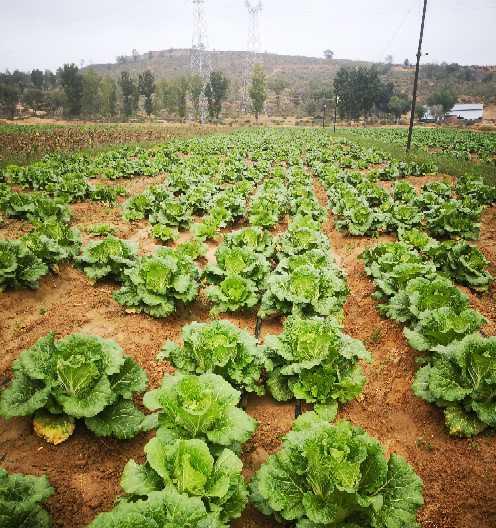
{"x":48,"y":33}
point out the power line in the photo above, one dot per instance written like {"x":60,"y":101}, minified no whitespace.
{"x":399,"y":28}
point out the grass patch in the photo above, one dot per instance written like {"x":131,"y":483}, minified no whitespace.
{"x":447,"y":164}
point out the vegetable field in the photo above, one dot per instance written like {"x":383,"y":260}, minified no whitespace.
{"x":273,"y":327}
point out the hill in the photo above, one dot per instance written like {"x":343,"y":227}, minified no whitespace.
{"x":306,"y":74}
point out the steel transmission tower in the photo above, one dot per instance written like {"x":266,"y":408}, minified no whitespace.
{"x":254,"y":44}
{"x":200,"y":64}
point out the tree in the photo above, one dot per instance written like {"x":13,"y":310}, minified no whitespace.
{"x":72,"y":83}
{"x":384,"y":95}
{"x":147,"y":89}
{"x":37,"y":79}
{"x":358,"y":89}
{"x":90,"y":100}
{"x":406,"y":63}
{"x":278,"y":85}
{"x":445,"y":98}
{"x":54,"y":100}
{"x":9,"y":96}
{"x":388,"y":59}
{"x":127,"y":86}
{"x":328,"y":54}
{"x":420,"y":111}
{"x":216,"y":92}
{"x":135,"y":54}
{"x":258,"y":90}
{"x":49,"y":80}
{"x":437,"y":111}
{"x":180,"y":89}
{"x":165,"y":98}
{"x":195,"y":90}
{"x":108,"y":97}
{"x":398,"y":105}
{"x":33,"y":98}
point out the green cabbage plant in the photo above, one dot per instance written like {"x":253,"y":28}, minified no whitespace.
{"x":304,"y":290}
{"x":193,"y":248}
{"x":243,"y":262}
{"x":442,"y":326}
{"x":190,"y":467}
{"x":172,"y":212}
{"x":461,"y":379}
{"x":53,"y":241}
{"x":314,"y":361}
{"x":164,"y":233}
{"x":19,"y":266}
{"x":422,"y":295}
{"x":455,"y":218}
{"x":222,"y":348}
{"x":336,"y":476}
{"x":202,"y":407}
{"x":79,"y":376}
{"x":264,"y":212}
{"x":20,"y":500}
{"x":253,"y":238}
{"x":232,"y":294}
{"x":464,"y":263}
{"x":156,"y":283}
{"x":107,"y":258}
{"x":161,"y":509}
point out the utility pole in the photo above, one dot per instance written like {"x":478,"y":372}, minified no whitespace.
{"x":324,"y":116}
{"x":415,"y":82}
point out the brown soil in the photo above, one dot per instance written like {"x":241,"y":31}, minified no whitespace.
{"x":459,"y":475}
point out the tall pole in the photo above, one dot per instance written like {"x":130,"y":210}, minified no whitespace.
{"x":324,"y":116}
{"x":415,"y":82}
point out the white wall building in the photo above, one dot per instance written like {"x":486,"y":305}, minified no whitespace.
{"x":467,"y":112}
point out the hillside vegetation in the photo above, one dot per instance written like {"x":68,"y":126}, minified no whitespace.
{"x":305,"y":75}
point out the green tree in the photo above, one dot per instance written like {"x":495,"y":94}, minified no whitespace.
{"x":195,"y":90}
{"x":166,"y":97}
{"x":72,"y":83}
{"x":445,"y":98}
{"x":54,"y":100}
{"x":108,"y":97}
{"x":278,"y":85}
{"x":180,"y":90}
{"x":37,"y":79}
{"x":9,"y":96}
{"x":216,"y":92}
{"x":49,"y":80}
{"x":398,"y":105}
{"x":420,"y":111}
{"x":33,"y":98}
{"x":128,"y":89}
{"x":359,"y":90}
{"x":258,"y":90}
{"x":147,"y":89}
{"x":90,"y":100}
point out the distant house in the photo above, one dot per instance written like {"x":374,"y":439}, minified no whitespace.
{"x":428,"y":117}
{"x":467,"y":112}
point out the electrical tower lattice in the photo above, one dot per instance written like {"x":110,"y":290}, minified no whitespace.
{"x":200,"y":64}
{"x":253,"y":48}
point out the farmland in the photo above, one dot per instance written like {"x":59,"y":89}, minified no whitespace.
{"x":198,"y":292}
{"x":26,"y":143}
